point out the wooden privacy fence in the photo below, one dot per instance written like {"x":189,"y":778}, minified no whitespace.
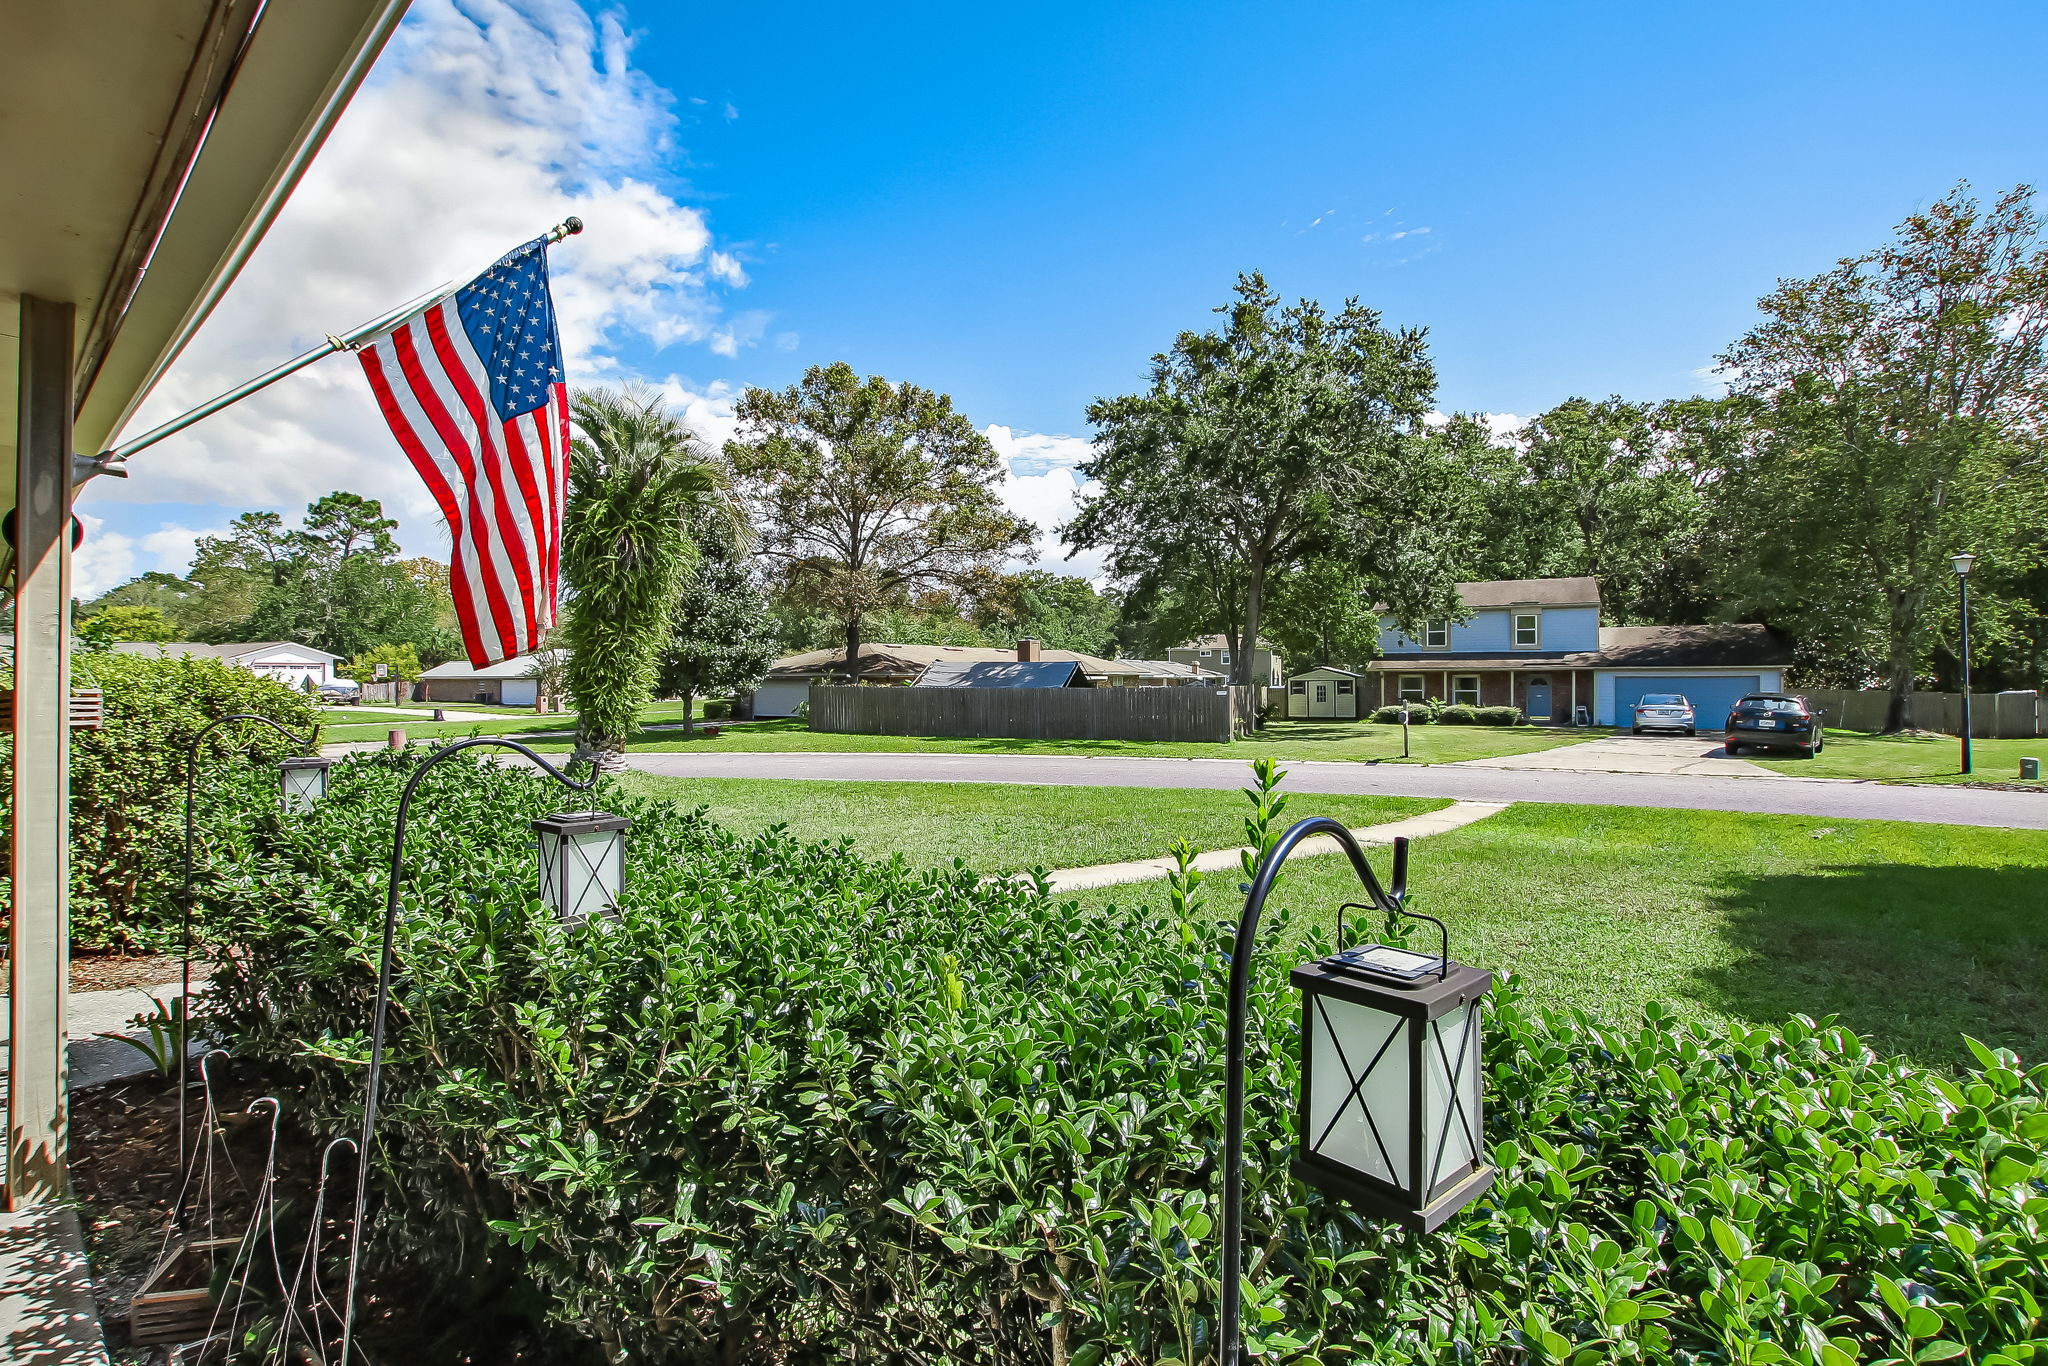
{"x":1993,"y":716}
{"x":1179,"y":713}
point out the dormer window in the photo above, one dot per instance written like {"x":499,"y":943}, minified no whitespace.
{"x":1436,"y":635}
{"x":1528,"y":630}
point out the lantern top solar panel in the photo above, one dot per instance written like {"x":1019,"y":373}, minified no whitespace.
{"x":1385,"y":962}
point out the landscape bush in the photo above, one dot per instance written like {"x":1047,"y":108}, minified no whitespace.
{"x":128,"y":784}
{"x":718,"y":709}
{"x":1459,"y":714}
{"x":1500,"y":716}
{"x":792,"y":1105}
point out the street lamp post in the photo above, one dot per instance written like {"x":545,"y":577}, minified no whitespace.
{"x":1962,"y":564}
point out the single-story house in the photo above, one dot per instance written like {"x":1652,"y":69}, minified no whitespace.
{"x":1324,"y":691}
{"x":508,"y":683}
{"x":1155,"y":673}
{"x":286,"y":661}
{"x":1538,"y":644}
{"x":787,"y":684}
{"x":1004,"y":673}
{"x":1213,"y":652}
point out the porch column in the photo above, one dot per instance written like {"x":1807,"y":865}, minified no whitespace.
{"x":36,"y":1110}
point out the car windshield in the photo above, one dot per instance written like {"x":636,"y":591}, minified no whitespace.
{"x":1768,"y":704}
{"x":1663,"y":699}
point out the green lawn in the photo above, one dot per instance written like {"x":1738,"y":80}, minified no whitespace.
{"x":996,"y":827}
{"x":1346,"y":740}
{"x":346,"y":723}
{"x":1919,"y":758}
{"x":1912,"y":934}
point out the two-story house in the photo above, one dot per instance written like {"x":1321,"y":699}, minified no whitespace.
{"x":1213,"y":652}
{"x":1538,"y":644}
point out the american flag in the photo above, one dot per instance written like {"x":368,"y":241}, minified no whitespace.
{"x":472,"y":387}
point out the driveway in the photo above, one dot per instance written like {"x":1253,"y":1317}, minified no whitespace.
{"x":1634,"y":754}
{"x":1794,"y":796}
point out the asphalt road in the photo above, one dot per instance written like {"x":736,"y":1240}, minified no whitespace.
{"x":1789,"y":797}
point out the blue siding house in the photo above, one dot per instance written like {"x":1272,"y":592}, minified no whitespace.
{"x":1538,"y":644}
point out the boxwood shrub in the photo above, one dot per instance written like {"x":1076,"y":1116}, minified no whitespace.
{"x":1459,"y":714}
{"x":797,"y":1106}
{"x":1499,"y":716}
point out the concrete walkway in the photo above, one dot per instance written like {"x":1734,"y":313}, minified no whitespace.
{"x":47,"y":1315}
{"x":1217,"y":860}
{"x":94,"y":1060}
{"x":1830,"y":797}
{"x":1634,"y":754}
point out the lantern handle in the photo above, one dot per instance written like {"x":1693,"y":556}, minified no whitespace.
{"x":380,"y":1013}
{"x":185,"y":881}
{"x":1382,"y":899}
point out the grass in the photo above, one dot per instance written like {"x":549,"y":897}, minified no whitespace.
{"x":1358,"y":741}
{"x":346,"y":723}
{"x":996,"y":827}
{"x":1912,"y":934}
{"x":1914,"y":758}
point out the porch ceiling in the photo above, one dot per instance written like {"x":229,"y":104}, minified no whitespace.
{"x":144,"y":147}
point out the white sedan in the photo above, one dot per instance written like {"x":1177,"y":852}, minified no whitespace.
{"x":1663,"y":711}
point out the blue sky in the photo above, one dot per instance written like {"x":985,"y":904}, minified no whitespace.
{"x":1018,"y":205}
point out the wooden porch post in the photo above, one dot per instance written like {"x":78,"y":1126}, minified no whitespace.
{"x":36,"y":1110}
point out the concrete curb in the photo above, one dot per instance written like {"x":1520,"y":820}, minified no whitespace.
{"x":1216,"y":860}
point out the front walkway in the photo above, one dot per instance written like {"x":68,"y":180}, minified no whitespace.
{"x":1218,"y":860}
{"x":1635,"y":754}
{"x":47,"y":1315}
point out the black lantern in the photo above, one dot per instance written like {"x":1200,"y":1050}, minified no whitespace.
{"x":582,"y":863}
{"x":1390,"y":1116}
{"x":302,"y":783}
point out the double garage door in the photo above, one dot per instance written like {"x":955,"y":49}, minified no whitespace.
{"x":1711,"y":697}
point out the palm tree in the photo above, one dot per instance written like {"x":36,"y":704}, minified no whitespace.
{"x":634,"y":472}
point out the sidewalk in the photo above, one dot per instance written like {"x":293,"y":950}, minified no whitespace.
{"x":47,"y":1315}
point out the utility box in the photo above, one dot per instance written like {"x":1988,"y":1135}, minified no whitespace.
{"x":2030,"y":768}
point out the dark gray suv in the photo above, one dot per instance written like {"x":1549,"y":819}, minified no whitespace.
{"x":1774,"y":720}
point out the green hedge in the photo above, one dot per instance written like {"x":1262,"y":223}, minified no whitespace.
{"x":797,"y":1106}
{"x":128,"y":784}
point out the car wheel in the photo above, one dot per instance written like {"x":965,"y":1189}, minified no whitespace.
{"x":1691,"y":734}
{"x":1635,"y":730}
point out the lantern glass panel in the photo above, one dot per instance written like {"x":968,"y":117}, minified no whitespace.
{"x":1358,"y":1100}
{"x":304,"y":783}
{"x":1450,"y":1097}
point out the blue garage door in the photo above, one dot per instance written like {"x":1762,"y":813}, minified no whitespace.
{"x":1711,"y":696}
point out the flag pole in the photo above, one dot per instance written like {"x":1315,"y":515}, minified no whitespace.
{"x":105,"y":462}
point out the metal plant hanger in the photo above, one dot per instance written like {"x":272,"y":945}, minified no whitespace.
{"x":569,"y":903}
{"x":295,"y":796}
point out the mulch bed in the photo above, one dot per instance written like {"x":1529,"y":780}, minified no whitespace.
{"x":123,"y":1153}
{"x":113,"y":971}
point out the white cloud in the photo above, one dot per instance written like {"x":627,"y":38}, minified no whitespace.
{"x":106,"y":558}
{"x":1041,"y":484}
{"x":483,"y":125}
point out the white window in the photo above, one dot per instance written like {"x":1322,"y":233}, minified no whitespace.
{"x":1343,"y":687}
{"x":1322,"y":692}
{"x":1300,"y":689}
{"x":1411,"y":687}
{"x":1465,"y":689}
{"x":1436,"y":635}
{"x":1528,"y":630}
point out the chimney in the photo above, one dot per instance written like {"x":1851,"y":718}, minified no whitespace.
{"x":1027,"y":650}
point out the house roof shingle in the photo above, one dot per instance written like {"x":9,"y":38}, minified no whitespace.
{"x":1574,"y":592}
{"x":883,"y":660}
{"x":231,"y":650}
{"x":1729,"y":645}
{"x":1000,"y":673}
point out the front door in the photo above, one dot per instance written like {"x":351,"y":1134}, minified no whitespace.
{"x":1536,"y":699}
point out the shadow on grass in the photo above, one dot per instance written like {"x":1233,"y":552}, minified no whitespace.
{"x":1909,"y":957}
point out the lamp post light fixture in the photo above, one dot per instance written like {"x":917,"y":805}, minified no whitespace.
{"x":302,"y":782}
{"x":1962,"y":564}
{"x":1389,"y":1112}
{"x":582,"y":863}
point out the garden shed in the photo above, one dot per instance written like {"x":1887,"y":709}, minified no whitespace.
{"x":1323,"y":691}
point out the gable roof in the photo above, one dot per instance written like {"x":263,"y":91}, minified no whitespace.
{"x":232,"y":650}
{"x":519,"y":666}
{"x":1729,"y":645}
{"x":883,"y":660}
{"x":995,"y":673}
{"x":1575,"y":592}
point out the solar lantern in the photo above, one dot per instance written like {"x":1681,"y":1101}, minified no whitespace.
{"x":302,"y":783}
{"x":582,"y":863}
{"x":1390,"y":1117}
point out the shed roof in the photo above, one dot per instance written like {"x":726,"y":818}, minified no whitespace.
{"x":1003,"y":673}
